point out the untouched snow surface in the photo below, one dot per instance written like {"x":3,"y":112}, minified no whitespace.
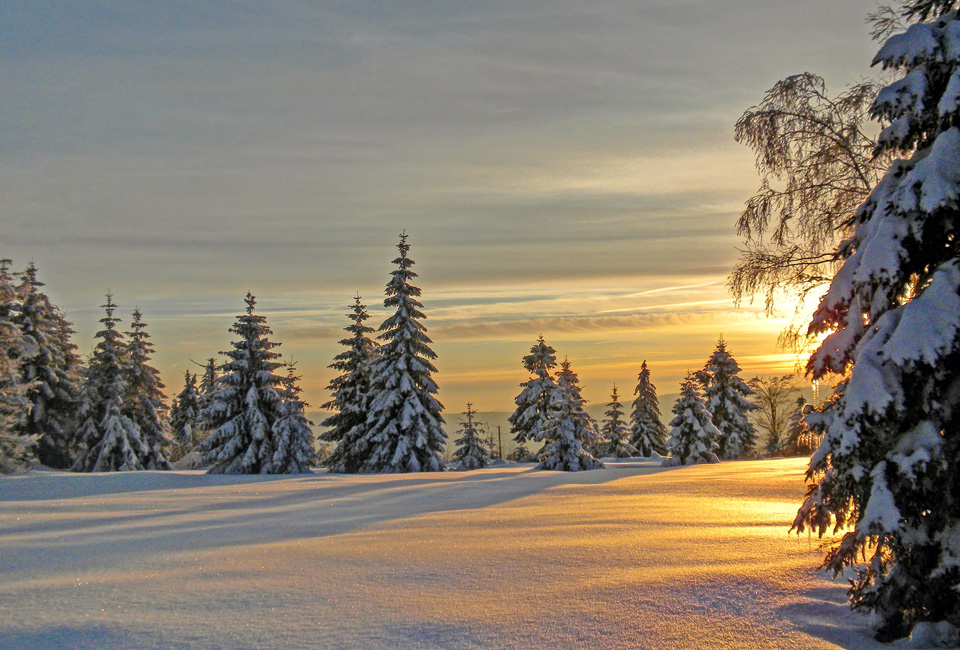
{"x":632,"y":556}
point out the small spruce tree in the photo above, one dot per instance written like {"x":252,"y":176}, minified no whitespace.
{"x":529,"y":422}
{"x":473,"y":445}
{"x":725,"y":395}
{"x":205,"y":391}
{"x":185,"y":415}
{"x":144,"y":401}
{"x":801,"y":439}
{"x":246,"y":402}
{"x":694,"y":437}
{"x":350,"y":394}
{"x":521,"y":454}
{"x":647,"y":432}
{"x":570,"y":430}
{"x":614,"y":432}
{"x":404,"y":428}
{"x":110,"y":440}
{"x":292,"y":432}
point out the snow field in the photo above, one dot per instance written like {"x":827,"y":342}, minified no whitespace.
{"x":633,"y":556}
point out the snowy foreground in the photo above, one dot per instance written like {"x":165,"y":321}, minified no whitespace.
{"x":633,"y":556}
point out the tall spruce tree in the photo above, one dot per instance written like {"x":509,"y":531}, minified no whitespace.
{"x":350,"y":391}
{"x":473,"y":445}
{"x":143,"y":400}
{"x":110,"y":441}
{"x":205,"y":391}
{"x":16,"y":450}
{"x":694,"y":437}
{"x":614,"y":433}
{"x":647,"y":432}
{"x":246,"y":402}
{"x":725,"y":395}
{"x":404,"y":428}
{"x":529,"y":422}
{"x":570,"y":432}
{"x":49,"y":373}
{"x":292,"y":432}
{"x":889,"y":464}
{"x":185,"y":415}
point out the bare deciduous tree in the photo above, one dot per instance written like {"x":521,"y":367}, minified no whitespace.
{"x":775,"y":398}
{"x":816,"y":166}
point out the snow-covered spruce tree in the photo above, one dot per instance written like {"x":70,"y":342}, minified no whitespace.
{"x":143,"y":400}
{"x":404,"y":427}
{"x":292,"y":432}
{"x":473,"y":445}
{"x":801,"y":439}
{"x":185,"y":415}
{"x":246,"y":402}
{"x":647,"y":432}
{"x":529,"y":421}
{"x":349,"y":394}
{"x":16,"y":451}
{"x":110,"y":441}
{"x":889,"y":464}
{"x":521,"y":454}
{"x":694,"y":437}
{"x":570,"y":432}
{"x":49,"y":372}
{"x":614,"y":432}
{"x":725,"y":395}
{"x":205,"y":390}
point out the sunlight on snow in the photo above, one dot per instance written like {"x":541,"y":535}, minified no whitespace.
{"x":628,"y":557}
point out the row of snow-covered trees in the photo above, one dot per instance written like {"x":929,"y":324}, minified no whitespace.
{"x":711,"y":420}
{"x":550,"y":411}
{"x":712,"y":416}
{"x":102,"y":415}
{"x":246,"y":415}
{"x":110,"y":413}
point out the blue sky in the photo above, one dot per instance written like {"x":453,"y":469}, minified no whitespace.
{"x":561,"y":167}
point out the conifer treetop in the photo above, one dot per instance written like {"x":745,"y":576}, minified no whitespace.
{"x":403,"y":428}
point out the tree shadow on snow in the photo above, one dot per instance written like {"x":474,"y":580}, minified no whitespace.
{"x":81,"y":637}
{"x":826,"y":614}
{"x":84,"y":521}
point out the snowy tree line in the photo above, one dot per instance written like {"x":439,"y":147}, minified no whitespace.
{"x":245,"y":415}
{"x":110,"y":413}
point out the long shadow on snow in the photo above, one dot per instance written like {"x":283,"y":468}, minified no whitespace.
{"x":196,"y":513}
{"x":827,"y":615}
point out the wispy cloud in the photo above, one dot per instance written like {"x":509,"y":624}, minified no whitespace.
{"x":530,"y":328}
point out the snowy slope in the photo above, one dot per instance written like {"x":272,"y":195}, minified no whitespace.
{"x":632,"y":556}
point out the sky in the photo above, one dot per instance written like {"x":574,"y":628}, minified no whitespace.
{"x":560,"y":167}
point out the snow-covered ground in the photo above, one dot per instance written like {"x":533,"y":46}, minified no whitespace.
{"x":633,"y":556}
